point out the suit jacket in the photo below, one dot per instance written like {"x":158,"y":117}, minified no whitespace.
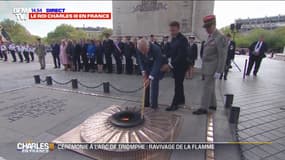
{"x":55,"y":49}
{"x":108,"y":46}
{"x":152,"y":62}
{"x":262,"y":50}
{"x":129,"y":49}
{"x":214,"y":55}
{"x":178,"y":51}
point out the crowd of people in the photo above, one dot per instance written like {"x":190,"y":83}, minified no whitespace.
{"x":92,"y":55}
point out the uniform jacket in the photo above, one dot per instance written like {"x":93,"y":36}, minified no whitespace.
{"x":40,"y":50}
{"x":214,"y":55}
{"x":151,"y":63}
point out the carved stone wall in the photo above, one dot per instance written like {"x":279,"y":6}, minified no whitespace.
{"x":147,"y":17}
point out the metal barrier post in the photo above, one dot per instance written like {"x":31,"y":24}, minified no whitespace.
{"x":74,"y":83}
{"x":37,"y":79}
{"x":229,"y":100}
{"x":106,"y":87}
{"x":49,"y":80}
{"x":234,"y":115}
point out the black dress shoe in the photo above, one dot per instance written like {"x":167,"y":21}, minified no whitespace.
{"x":172,"y":108}
{"x":225,"y":78}
{"x":200,"y":111}
{"x":255,"y":74}
{"x":213,"y":107}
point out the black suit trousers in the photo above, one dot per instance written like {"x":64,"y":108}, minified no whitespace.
{"x":256,"y":61}
{"x":179,"y":75}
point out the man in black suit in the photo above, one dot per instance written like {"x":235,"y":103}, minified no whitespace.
{"x":129,"y":52}
{"x":230,"y":56}
{"x":256,"y":54}
{"x":109,"y":48}
{"x":76,"y":57}
{"x":178,"y":64}
{"x":55,"y":54}
{"x":118,"y":53}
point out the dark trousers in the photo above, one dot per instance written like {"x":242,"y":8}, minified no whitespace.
{"x":129,"y":65}
{"x":20,"y":56}
{"x":56,"y":60}
{"x":27,"y":57}
{"x":76,"y":63}
{"x":151,"y":94}
{"x":179,"y":75}
{"x":85,"y":62}
{"x":4,"y":54}
{"x":119,"y":65}
{"x":109,"y":62}
{"x":32,"y":56}
{"x":91,"y":64}
{"x":1,"y":55}
{"x":256,"y":61}
{"x":13,"y":54}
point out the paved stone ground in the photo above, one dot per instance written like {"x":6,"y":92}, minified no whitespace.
{"x":262,"y":103}
{"x":20,"y":121}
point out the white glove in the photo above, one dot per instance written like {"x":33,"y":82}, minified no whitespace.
{"x":217,"y":75}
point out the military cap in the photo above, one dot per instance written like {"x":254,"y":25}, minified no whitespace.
{"x":209,"y":20}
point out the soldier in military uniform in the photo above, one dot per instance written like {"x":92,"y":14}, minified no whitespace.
{"x":41,"y":52}
{"x":150,"y":61}
{"x":230,"y":56}
{"x":214,"y":58}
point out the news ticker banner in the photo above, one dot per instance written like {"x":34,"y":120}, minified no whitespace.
{"x":45,"y":147}
{"x":23,"y":14}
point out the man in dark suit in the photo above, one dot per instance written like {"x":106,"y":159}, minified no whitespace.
{"x":178,"y":64}
{"x":76,"y":57}
{"x":55,"y":54}
{"x":109,"y":48}
{"x":230,"y":56}
{"x":129,"y":52}
{"x":150,"y":60}
{"x":118,"y":53}
{"x":256,"y":54}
